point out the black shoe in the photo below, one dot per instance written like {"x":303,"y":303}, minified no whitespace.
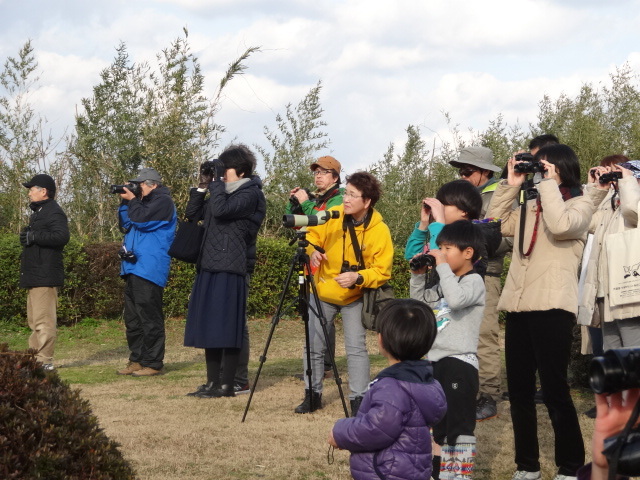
{"x":203,"y":388}
{"x":505,"y":396}
{"x":486,"y":408}
{"x":355,"y":406}
{"x":591,"y":413}
{"x":305,"y":406}
{"x":241,"y":389}
{"x":538,"y":398}
{"x":217,"y":392}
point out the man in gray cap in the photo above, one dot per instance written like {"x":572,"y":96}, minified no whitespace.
{"x":475,"y":165}
{"x":41,"y":266}
{"x":148,"y":221}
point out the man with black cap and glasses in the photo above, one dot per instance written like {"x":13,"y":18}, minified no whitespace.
{"x":148,"y":221}
{"x":475,"y":165}
{"x":41,"y":266}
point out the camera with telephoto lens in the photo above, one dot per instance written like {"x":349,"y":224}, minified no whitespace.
{"x":293,"y":221}
{"x":133,"y":187}
{"x":529,"y":165}
{"x":617,"y":370}
{"x":423,"y":260}
{"x":610,"y":177}
{"x":127,"y":256}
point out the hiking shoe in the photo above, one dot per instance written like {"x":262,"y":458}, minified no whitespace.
{"x":486,"y":408}
{"x":241,"y":389}
{"x":147,"y":372}
{"x":564,"y":477}
{"x":130,"y":368}
{"x":48,"y":367}
{"x":216,"y":392}
{"x":305,"y":406}
{"x":202,"y":388}
{"x":524,"y":475}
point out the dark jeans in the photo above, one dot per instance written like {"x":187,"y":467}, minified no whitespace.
{"x":144,"y":321}
{"x":542,"y":341}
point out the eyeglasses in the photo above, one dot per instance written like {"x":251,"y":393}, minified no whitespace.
{"x":318,"y":171}
{"x":351,"y":195}
{"x":467,"y":171}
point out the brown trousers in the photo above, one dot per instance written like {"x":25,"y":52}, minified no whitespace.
{"x":489,"y":342}
{"x":41,"y":315}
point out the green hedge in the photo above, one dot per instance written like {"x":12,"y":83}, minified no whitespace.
{"x":93,"y":288}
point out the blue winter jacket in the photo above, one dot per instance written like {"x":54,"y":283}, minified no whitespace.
{"x":150,"y":225}
{"x":389,"y":438}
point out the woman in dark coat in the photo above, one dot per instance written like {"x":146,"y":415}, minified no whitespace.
{"x":232,"y":216}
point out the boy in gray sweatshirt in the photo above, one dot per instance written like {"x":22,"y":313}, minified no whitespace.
{"x":458,"y":302}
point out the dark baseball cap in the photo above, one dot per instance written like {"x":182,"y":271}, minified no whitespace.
{"x":43,"y":181}
{"x":147,"y":174}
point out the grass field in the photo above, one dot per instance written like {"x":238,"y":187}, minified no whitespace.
{"x":169,"y":436}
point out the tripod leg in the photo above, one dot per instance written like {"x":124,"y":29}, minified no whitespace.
{"x":274,"y":322}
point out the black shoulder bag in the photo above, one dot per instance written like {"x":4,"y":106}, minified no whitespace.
{"x":188,"y":240}
{"x":373,"y":299}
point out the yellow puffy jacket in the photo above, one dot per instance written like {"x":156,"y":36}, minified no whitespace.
{"x":377,"y":250}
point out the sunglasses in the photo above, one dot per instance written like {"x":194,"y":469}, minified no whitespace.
{"x":467,"y":171}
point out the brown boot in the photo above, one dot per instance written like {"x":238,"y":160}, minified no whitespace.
{"x":130,"y":368}
{"x":147,"y":372}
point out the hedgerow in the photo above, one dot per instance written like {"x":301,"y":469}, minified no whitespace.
{"x":94,"y":289}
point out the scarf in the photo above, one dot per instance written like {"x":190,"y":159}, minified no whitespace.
{"x":570,"y":192}
{"x":231,"y":187}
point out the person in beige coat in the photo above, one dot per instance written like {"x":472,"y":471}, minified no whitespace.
{"x":540,"y":297}
{"x":616,"y":213}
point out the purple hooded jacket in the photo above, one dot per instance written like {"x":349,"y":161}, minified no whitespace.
{"x":389,"y":438}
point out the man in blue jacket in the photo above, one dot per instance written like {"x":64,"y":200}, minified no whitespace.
{"x":148,"y":221}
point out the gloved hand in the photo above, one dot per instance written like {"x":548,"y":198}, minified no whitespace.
{"x":206,"y":175}
{"x":27,"y":238}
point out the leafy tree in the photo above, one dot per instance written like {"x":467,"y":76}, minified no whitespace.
{"x":24,"y":146}
{"x":406,"y":179}
{"x":294,"y":145}
{"x":108,"y":145}
{"x":141,"y":118}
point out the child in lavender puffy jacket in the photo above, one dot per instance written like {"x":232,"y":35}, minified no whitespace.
{"x":389,"y":437}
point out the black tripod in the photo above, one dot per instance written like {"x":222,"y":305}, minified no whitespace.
{"x":300,"y":261}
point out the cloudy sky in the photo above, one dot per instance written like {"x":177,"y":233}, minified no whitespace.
{"x":384,"y":64}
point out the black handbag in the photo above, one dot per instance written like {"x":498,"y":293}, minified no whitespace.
{"x":188,"y":240}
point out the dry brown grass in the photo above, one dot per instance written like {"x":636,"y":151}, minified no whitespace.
{"x":169,"y":436}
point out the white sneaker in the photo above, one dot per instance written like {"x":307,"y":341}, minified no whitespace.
{"x":564,"y":477}
{"x":524,"y":475}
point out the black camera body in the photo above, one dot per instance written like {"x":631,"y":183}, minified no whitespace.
{"x":529,"y":165}
{"x":127,"y":256}
{"x":294,"y":200}
{"x":133,"y":187}
{"x":616,"y":370}
{"x":208,"y":168}
{"x":423,"y":260}
{"x":610,"y":177}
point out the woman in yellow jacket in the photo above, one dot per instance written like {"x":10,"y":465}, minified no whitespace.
{"x":340,"y":289}
{"x":540,"y":297}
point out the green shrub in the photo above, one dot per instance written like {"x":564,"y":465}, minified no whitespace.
{"x":94,"y":289}
{"x":47,"y":430}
